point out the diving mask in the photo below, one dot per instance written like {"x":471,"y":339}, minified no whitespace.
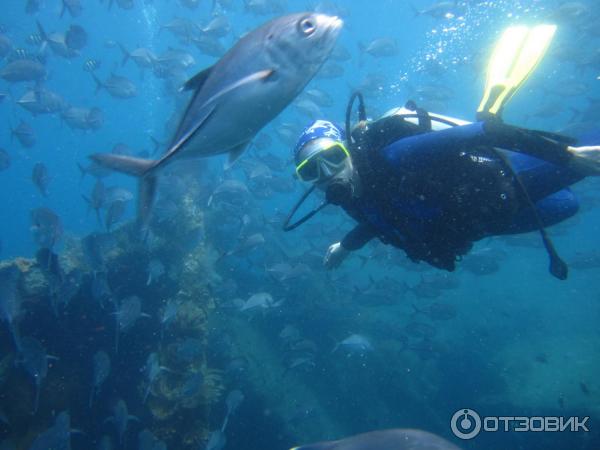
{"x":323,"y":161}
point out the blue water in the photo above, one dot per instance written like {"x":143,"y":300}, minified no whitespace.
{"x":518,"y":342}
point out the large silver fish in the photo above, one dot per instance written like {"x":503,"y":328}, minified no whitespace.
{"x":234,"y":99}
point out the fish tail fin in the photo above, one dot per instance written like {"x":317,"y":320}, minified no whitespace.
{"x":99,"y":84}
{"x":41,"y":30}
{"x":137,"y":167}
{"x":125,"y":52}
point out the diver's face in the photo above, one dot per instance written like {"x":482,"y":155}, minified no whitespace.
{"x":327,"y":176}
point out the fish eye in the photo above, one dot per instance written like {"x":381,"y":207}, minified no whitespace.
{"x":306,"y":26}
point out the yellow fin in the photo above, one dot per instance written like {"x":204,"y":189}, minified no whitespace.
{"x":516,"y":55}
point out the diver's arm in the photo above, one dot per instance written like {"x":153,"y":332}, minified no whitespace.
{"x":358,"y":237}
{"x":355,"y":239}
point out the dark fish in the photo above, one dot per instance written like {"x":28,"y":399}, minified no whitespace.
{"x":225,"y":114}
{"x":147,"y":441}
{"x":76,"y":37}
{"x":100,"y":289}
{"x":4,"y":159}
{"x":129,"y":311}
{"x":46,"y":227}
{"x":65,"y":289}
{"x":22,"y":54}
{"x":184,"y":29}
{"x":441,"y":10}
{"x":190,"y":4}
{"x":57,"y":437}
{"x":218,"y":27}
{"x":123,"y":4}
{"x":32,"y":6}
{"x":100,"y":372}
{"x":216,"y":441}
{"x":23,"y":70}
{"x":142,"y":57}
{"x":114,"y":213}
{"x":156,"y":270}
{"x":320,"y":97}
{"x":174,"y":59}
{"x":191,"y":385}
{"x":10,"y":301}
{"x":35,"y":39}
{"x":420,"y":330}
{"x":210,"y":45}
{"x":584,"y":388}
{"x":394,"y":439}
{"x":83,"y":118}
{"x":95,"y":246}
{"x":330,"y":70}
{"x":265,"y":7}
{"x":380,"y":48}
{"x":42,"y":101}
{"x":246,"y":245}
{"x":355,"y":343}
{"x":233,"y":401}
{"x":57,"y":43}
{"x":95,"y":170}
{"x":40,"y":178}
{"x":91,"y":65}
{"x":116,"y":193}
{"x":116,"y":86}
{"x":438,"y":311}
{"x":168,"y":315}
{"x":73,"y":6}
{"x":5,"y":45}
{"x":121,"y":419}
{"x":96,"y":200}
{"x":340,"y":54}
{"x":152,"y":370}
{"x":35,"y":362}
{"x":187,"y":350}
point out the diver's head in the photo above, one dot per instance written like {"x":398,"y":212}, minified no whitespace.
{"x":321,"y":156}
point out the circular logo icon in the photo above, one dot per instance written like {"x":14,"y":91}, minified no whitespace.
{"x":465,"y":424}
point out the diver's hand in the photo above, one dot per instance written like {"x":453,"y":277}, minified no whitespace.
{"x":335,"y":255}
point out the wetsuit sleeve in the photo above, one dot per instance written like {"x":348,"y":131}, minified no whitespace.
{"x":358,"y":237}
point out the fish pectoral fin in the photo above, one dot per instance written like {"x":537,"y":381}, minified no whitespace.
{"x":235,"y":154}
{"x":186,"y":136}
{"x":197,"y":81}
{"x":261,"y":75}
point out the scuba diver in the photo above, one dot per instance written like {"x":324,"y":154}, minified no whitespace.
{"x":433,"y":185}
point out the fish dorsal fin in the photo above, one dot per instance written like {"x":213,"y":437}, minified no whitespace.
{"x":197,"y":81}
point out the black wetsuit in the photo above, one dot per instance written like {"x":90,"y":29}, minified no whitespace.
{"x":433,"y":193}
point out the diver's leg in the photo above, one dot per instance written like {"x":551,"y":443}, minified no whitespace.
{"x":585,"y":160}
{"x":541,"y":178}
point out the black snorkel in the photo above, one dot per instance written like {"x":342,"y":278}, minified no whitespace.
{"x":287,"y":226}
{"x":337,"y":192}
